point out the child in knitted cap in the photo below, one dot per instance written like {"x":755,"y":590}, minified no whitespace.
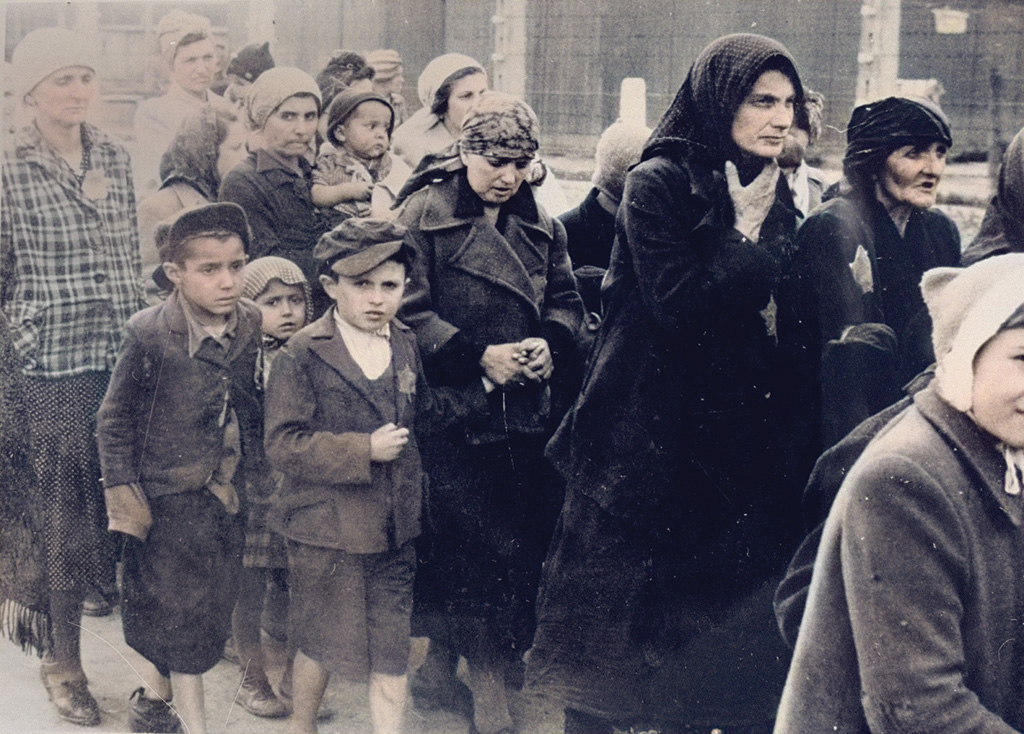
{"x":913,"y":615}
{"x":280,"y":290}
{"x":342,"y":397}
{"x":355,"y":172}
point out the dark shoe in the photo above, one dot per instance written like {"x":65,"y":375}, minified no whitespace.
{"x":96,"y":606}
{"x":151,"y":715}
{"x":449,"y":693}
{"x":69,"y":691}
{"x":259,"y":699}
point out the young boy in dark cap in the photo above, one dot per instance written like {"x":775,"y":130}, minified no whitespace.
{"x":179,"y":415}
{"x":341,"y":399}
{"x":355,"y":171}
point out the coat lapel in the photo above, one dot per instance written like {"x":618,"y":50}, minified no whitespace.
{"x":326,"y":343}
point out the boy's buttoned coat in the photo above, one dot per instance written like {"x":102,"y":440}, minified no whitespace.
{"x":162,"y":421}
{"x":319,"y":417}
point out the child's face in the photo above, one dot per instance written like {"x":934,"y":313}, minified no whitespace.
{"x":210,"y":277}
{"x":283,"y":307}
{"x":998,"y":396}
{"x":365,"y":132}
{"x":371,"y":300}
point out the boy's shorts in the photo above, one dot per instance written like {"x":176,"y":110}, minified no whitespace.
{"x":350,"y":611}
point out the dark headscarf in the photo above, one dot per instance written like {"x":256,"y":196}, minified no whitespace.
{"x":192,"y":156}
{"x":721,"y":77}
{"x":878,"y":128}
{"x":1002,"y":229}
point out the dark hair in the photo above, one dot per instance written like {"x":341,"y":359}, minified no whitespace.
{"x":440,"y":104}
{"x":807,"y":116}
{"x":342,"y":69}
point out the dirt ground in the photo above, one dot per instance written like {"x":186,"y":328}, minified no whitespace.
{"x":109,"y":664}
{"x":24,"y":708}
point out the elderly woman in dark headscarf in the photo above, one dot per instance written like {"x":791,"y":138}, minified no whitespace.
{"x":493,"y":303}
{"x":655,"y":603}
{"x":1002,"y":229}
{"x":851,"y":317}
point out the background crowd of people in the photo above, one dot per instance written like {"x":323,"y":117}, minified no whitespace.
{"x":311,"y":363}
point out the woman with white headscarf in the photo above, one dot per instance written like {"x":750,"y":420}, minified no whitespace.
{"x":69,"y":280}
{"x":447,"y":87}
{"x":914,"y":610}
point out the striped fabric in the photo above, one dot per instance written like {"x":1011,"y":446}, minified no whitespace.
{"x":69,"y":254}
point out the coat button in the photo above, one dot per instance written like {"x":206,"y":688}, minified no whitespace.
{"x":99,"y":277}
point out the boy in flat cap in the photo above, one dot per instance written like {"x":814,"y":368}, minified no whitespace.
{"x":341,"y":400}
{"x":180,"y":415}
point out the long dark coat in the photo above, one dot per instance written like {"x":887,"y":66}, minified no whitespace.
{"x":676,"y":520}
{"x":491,"y":501}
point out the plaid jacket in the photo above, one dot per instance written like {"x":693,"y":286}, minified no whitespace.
{"x":69,"y":254}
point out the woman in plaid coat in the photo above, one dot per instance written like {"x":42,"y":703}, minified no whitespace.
{"x":69,"y":269}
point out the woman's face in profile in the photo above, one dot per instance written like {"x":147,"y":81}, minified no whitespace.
{"x":232,"y":151}
{"x":997,"y":400}
{"x":465,"y":93}
{"x":765,"y":115}
{"x":495,"y":180}
{"x":912,"y":174}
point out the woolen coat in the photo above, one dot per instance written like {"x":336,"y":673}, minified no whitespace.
{"x":914,"y":616}
{"x":677,"y":520}
{"x":320,"y":413}
{"x":479,"y":284}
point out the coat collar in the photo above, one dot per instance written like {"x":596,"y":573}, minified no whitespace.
{"x":503,"y":258}
{"x":975,"y":448}
{"x":30,"y":146}
{"x":326,"y":343}
{"x":244,"y":331}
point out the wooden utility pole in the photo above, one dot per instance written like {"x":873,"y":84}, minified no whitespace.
{"x":508,"y":62}
{"x":878,"y":62}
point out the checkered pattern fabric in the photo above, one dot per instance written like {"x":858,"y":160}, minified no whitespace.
{"x":69,"y":255}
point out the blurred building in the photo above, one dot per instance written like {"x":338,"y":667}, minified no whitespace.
{"x":568,"y":57}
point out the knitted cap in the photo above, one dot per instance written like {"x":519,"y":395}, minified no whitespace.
{"x":359,"y":245}
{"x":260,"y":272}
{"x":500,"y":126}
{"x":251,"y":61}
{"x":969,"y":306}
{"x":386,"y":64}
{"x":345,"y":104}
{"x":175,"y":26}
{"x":46,"y":50}
{"x":273,"y":87}
{"x":437,"y":72}
{"x":618,"y":148}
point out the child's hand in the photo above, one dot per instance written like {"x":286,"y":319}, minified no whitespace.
{"x":361,"y":190}
{"x":387,"y":442}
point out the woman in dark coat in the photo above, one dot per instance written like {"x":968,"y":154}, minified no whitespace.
{"x":491,"y":298}
{"x":913,"y":618}
{"x":273,"y":184}
{"x":851,"y":319}
{"x":655,"y":604}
